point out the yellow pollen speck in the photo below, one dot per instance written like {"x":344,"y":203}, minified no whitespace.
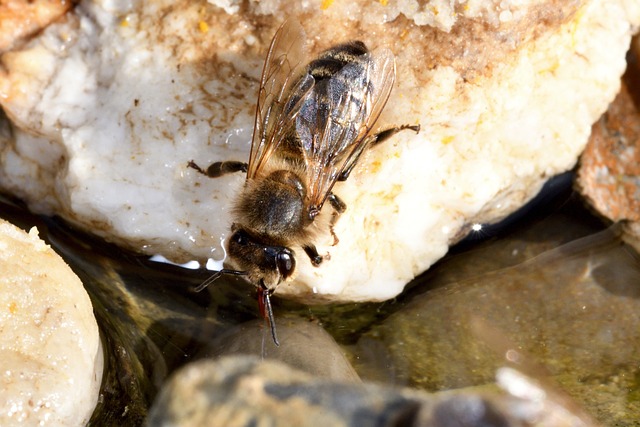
{"x":435,"y":10}
{"x":551,"y":67}
{"x":203,"y":27}
{"x":447,"y":139}
{"x":124,"y":22}
{"x":384,"y":2}
{"x":325,"y":4}
{"x":375,"y":167}
{"x":575,"y":24}
{"x":13,"y":307}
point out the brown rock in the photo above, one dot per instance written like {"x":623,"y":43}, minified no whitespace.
{"x":609,"y":174}
{"x":20,"y":19}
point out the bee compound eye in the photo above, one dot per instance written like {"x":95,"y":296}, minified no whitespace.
{"x":239,"y":237}
{"x":285,"y":263}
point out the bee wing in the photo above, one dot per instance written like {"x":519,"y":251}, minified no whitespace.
{"x":334,"y":126}
{"x":283,"y":87}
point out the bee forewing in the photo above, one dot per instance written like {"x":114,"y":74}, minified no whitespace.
{"x":283,"y":85}
{"x":382,"y":79}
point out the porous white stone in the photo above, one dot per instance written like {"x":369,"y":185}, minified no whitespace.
{"x":50,"y":353}
{"x":109,"y":106}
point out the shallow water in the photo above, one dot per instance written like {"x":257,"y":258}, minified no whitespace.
{"x":554,"y":283}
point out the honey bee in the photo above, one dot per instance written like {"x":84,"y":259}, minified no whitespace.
{"x":313,"y":122}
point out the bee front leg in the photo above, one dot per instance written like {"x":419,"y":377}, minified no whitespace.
{"x":217,"y":169}
{"x":339,"y":207}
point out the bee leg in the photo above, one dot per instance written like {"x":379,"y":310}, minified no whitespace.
{"x":218,"y":169}
{"x":339,"y":207}
{"x":312,"y":253}
{"x":337,"y":203}
{"x":376,"y":139}
{"x":383,"y":135}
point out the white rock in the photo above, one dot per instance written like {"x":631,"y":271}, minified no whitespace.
{"x":50,"y":353}
{"x":109,"y":107}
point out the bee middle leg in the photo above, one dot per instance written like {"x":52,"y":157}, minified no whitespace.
{"x":312,"y":253}
{"x":376,"y":139}
{"x":217,"y":169}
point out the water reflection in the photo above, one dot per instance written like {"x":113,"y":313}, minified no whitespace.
{"x":575,"y":309}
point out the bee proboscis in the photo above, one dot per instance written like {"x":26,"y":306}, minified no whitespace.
{"x":314,"y":120}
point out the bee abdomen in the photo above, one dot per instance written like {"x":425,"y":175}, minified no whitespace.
{"x":333,"y":60}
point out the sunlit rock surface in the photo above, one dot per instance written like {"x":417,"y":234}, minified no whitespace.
{"x":50,"y":352}
{"x":245,"y":391}
{"x":609,"y":173}
{"x":20,"y":19}
{"x":108,"y":105}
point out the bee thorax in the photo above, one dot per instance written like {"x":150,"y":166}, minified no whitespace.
{"x":274,"y":206}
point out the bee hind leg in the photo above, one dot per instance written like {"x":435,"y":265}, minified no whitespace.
{"x":374,"y":140}
{"x":383,"y":135}
{"x":218,"y":169}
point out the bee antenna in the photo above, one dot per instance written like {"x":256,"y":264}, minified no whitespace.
{"x":202,"y":286}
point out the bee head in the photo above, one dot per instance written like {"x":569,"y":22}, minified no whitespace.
{"x":264,"y":263}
